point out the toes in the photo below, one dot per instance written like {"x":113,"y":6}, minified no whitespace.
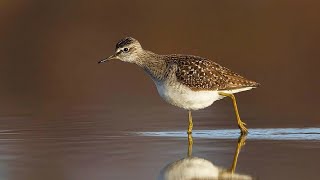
{"x":242,"y":127}
{"x":243,"y":123}
{"x":244,"y":132}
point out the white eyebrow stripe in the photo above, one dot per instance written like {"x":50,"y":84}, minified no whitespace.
{"x":118,"y":50}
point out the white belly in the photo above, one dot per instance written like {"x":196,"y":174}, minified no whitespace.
{"x":183,"y":97}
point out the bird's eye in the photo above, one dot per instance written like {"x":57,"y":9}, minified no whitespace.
{"x":125,"y":49}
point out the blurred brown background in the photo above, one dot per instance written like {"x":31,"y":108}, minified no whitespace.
{"x":49,"y":52}
{"x":63,"y":116}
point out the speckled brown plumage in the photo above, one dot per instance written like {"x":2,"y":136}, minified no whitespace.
{"x":202,"y":74}
{"x":193,"y":71}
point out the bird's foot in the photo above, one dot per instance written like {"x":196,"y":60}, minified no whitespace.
{"x":242,"y":127}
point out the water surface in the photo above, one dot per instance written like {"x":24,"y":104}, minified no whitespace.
{"x":86,"y":148}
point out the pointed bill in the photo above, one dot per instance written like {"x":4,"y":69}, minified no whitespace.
{"x":107,"y":59}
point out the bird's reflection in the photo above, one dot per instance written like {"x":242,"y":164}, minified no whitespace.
{"x":194,"y":168}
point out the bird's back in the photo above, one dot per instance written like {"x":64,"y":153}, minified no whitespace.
{"x":202,"y":74}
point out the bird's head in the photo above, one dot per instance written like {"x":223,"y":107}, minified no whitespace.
{"x":127,"y":50}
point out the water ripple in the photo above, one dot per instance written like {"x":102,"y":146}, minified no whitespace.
{"x":254,"y":134}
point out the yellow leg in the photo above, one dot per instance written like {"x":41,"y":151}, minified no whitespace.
{"x":241,"y":124}
{"x":241,"y":142}
{"x":190,"y":123}
{"x":190,"y":143}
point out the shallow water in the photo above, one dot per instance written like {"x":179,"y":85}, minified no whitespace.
{"x":81,"y":147}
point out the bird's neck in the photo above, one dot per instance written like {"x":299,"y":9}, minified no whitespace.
{"x":153,"y":64}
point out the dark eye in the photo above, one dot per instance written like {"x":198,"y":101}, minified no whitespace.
{"x":125,"y":49}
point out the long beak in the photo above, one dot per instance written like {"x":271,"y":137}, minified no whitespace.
{"x":107,"y":59}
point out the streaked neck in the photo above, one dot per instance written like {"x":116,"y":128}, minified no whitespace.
{"x":153,"y":64}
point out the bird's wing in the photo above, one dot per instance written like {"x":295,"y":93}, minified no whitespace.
{"x":202,"y":74}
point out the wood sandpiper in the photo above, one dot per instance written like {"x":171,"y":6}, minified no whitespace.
{"x":189,"y":82}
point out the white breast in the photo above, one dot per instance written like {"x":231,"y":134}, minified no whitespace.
{"x":182,"y":96}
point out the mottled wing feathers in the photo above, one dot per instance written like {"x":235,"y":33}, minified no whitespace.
{"x":235,"y":81}
{"x":202,"y":74}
